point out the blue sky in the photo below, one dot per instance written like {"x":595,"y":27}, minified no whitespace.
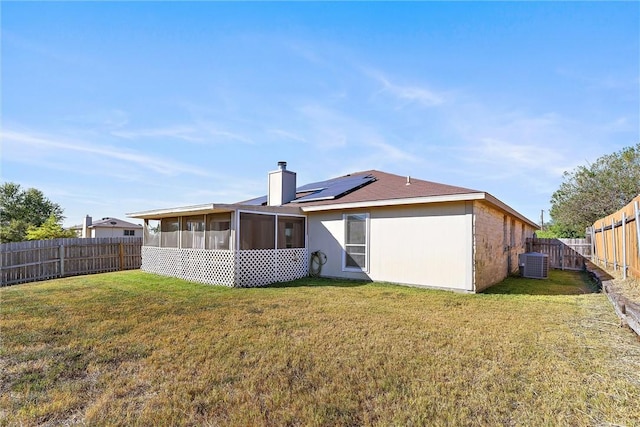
{"x":119,"y":107}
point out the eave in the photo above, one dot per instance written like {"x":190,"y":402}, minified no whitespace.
{"x":420,"y":201}
{"x":211,"y":208}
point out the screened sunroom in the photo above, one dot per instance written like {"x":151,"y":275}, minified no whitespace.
{"x":231,"y":245}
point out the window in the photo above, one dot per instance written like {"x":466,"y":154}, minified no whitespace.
{"x":151,"y":232}
{"x":129,"y":232}
{"x":218,"y":231}
{"x":169,"y":232}
{"x":193,"y":232}
{"x":257,"y":231}
{"x":356,"y":236}
{"x":290,"y":232}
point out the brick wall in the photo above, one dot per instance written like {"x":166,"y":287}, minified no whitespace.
{"x":498,"y":239}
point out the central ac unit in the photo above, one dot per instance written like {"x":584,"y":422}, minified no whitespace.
{"x":534,"y":265}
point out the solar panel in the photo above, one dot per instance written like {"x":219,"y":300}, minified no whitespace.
{"x":323,"y":190}
{"x":333,"y":188}
{"x":316,"y":186}
{"x":258,"y":201}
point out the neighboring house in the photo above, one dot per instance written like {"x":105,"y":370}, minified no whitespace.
{"x":370,"y":225}
{"x":107,"y":227}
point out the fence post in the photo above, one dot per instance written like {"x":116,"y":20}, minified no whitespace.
{"x":613,"y":244}
{"x":624,"y":245}
{"x":121,"y":253}
{"x":593,"y":245}
{"x":61,"y":249}
{"x":604,"y":245}
{"x":637,"y":212}
{"x":560,"y":249}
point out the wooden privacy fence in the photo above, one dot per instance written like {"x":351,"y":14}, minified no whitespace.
{"x":31,"y":261}
{"x":564,"y":254}
{"x":616,"y":240}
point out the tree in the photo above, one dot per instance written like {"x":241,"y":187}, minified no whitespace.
{"x":14,"y":231}
{"x":51,"y":229}
{"x":20,"y":209}
{"x":548,"y":231}
{"x":595,"y":191}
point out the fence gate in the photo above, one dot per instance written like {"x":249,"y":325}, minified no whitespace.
{"x":564,"y":254}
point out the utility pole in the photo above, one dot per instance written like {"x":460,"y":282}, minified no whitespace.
{"x":542,"y":219}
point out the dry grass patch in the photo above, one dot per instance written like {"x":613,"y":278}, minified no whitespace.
{"x":135,"y":348}
{"x":629,"y":287}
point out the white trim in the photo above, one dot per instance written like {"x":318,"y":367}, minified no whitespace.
{"x":316,"y":199}
{"x":270,"y":213}
{"x":470,"y":247}
{"x":204,"y":233}
{"x":366,"y":243}
{"x":275,"y":234}
{"x":502,"y":206}
{"x":213,"y":208}
{"x":394,"y":202}
{"x":207,"y":208}
{"x":236,"y":219}
{"x":422,"y":200}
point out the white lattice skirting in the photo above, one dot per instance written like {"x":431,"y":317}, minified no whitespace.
{"x":227,"y":268}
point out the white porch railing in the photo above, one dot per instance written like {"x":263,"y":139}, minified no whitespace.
{"x":264,"y":266}
{"x":248,"y":268}
{"x":215,"y":267}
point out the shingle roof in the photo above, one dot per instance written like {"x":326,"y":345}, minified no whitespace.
{"x":388,"y":186}
{"x":383,"y":186}
{"x":384,"y":189}
{"x":109,"y":222}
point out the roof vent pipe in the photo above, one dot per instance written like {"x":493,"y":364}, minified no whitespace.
{"x":408,"y":180}
{"x":282,"y":166}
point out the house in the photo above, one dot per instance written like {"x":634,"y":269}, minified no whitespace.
{"x":367,"y":225}
{"x":107,"y":227}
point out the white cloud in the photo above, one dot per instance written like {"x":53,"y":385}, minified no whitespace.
{"x":621,"y":124}
{"x":196,"y":133}
{"x":407,"y":93}
{"x":185,"y":133}
{"x":14,"y":142}
{"x":286,"y":135}
{"x":231,"y":136}
{"x":514,"y":143}
{"x":327,"y":127}
{"x":338,"y":135}
{"x":610,"y":81}
{"x":99,"y":119}
{"x":513,"y":156}
{"x":305,"y":52}
{"x":15,"y":40}
{"x":388,"y":152}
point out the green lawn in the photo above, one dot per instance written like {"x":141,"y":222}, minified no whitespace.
{"x":558,"y":283}
{"x":135,"y":348}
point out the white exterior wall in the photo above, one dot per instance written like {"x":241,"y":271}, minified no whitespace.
{"x":113,"y":232}
{"x":427,"y":245}
{"x":326,"y":234}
